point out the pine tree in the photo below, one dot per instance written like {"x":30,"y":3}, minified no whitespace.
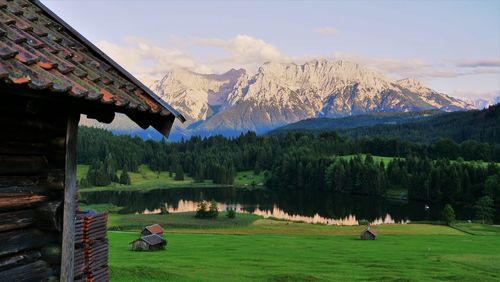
{"x":125,"y":178}
{"x":448,"y":214}
{"x":179,"y":173}
{"x":484,"y":209}
{"x":213,"y":210}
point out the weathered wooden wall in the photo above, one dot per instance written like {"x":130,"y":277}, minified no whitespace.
{"x":32,"y":163}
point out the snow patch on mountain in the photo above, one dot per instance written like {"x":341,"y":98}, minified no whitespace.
{"x":282,"y":93}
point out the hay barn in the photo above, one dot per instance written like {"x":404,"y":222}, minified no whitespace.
{"x":152,"y":229}
{"x":151,"y":242}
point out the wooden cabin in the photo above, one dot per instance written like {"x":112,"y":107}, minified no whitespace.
{"x":49,"y":76}
{"x":152,"y":229}
{"x":368,"y":234}
{"x":153,"y":242}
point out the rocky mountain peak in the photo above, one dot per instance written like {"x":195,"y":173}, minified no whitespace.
{"x":281,"y":93}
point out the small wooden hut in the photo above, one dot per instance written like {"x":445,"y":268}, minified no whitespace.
{"x":49,"y":76}
{"x":152,"y":229}
{"x":153,"y":242}
{"x":368,"y":234}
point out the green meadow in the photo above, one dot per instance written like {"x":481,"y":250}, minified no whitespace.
{"x":146,"y":179}
{"x":386,"y":160}
{"x":256,"y":249}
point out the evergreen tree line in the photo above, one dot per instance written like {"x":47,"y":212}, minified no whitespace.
{"x":103,"y":173}
{"x":443,"y":181}
{"x":437,"y":171}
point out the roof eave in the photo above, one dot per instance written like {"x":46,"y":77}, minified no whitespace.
{"x":120,"y":69}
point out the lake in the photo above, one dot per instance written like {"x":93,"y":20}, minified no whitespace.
{"x":325,"y":208}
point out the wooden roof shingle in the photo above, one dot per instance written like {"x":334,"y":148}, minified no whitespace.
{"x":42,"y":52}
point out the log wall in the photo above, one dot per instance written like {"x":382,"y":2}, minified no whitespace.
{"x":32,"y":163}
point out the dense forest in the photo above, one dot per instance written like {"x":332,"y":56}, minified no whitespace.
{"x":439,"y":171}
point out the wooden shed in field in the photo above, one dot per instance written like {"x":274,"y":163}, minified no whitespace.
{"x":152,"y":229}
{"x":153,"y":242}
{"x":49,"y":76}
{"x":368,"y":234}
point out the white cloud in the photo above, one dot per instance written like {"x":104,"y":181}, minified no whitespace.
{"x":148,"y":61}
{"x":472,"y":94}
{"x":243,"y":51}
{"x":418,"y":68}
{"x":326,"y":30}
{"x":397,"y":67}
{"x":144,"y":59}
{"x":485,"y":63}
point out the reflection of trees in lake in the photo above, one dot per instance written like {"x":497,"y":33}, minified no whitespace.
{"x":329,"y":205}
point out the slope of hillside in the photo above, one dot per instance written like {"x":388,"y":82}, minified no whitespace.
{"x":319,"y":124}
{"x":480,"y":125}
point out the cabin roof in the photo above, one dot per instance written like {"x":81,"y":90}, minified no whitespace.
{"x":369,"y":230}
{"x":154,"y":229}
{"x":40,"y":51}
{"x":153,"y":239}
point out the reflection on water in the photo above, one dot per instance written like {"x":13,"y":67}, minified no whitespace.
{"x":326,"y":208}
{"x":275,"y":212}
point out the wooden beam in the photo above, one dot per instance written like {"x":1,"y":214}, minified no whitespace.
{"x":36,"y":271}
{"x":15,"y":241}
{"x":16,"y":220}
{"x":22,"y":165}
{"x":68,"y":242}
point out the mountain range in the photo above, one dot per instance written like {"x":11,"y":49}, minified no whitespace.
{"x":282,"y":93}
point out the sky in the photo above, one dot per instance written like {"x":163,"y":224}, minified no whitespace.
{"x":452,"y":46}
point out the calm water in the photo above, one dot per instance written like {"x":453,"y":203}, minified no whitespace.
{"x":340,"y":209}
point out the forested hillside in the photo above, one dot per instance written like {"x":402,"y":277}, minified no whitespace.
{"x":371,"y":119}
{"x":483,"y":126}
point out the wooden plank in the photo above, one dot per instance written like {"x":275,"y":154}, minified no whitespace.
{"x":16,"y":220}
{"x":22,"y":165}
{"x":19,"y":258}
{"x":36,"y":271}
{"x":12,"y":201}
{"x":18,"y":180}
{"x":51,"y":253}
{"x":23,"y":239}
{"x":55,"y":179}
{"x":68,"y":242}
{"x":49,"y":216}
{"x":22,"y":148}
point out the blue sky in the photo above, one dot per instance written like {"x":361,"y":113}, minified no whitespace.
{"x":453,"y":46}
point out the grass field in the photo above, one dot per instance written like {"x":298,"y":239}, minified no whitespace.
{"x":147,"y":179}
{"x":386,"y":160}
{"x":269,"y":250}
{"x":376,"y":159}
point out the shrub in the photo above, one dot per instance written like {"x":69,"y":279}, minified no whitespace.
{"x":206,"y":211}
{"x":201,"y":211}
{"x":163,"y":210}
{"x":213,"y":211}
{"x":125,"y":178}
{"x":485,"y":209}
{"x":363,"y":222}
{"x":448,"y":214}
{"x":231,"y":213}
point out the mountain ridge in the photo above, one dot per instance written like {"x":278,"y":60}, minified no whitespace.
{"x":283,"y":93}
